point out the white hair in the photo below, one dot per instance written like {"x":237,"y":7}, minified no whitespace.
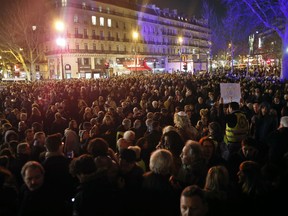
{"x":284,"y":121}
{"x":129,"y":135}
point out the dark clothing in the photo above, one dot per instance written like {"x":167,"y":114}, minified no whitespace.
{"x":263,"y":126}
{"x":159,"y":197}
{"x":192,"y":174}
{"x":57,"y":176}
{"x":96,"y":197}
{"x":8,"y":201}
{"x":153,"y":139}
{"x":39,"y":202}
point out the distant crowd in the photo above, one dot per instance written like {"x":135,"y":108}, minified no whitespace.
{"x":158,"y":144}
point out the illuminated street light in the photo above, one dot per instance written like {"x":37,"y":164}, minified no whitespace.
{"x":135,"y":38}
{"x":61,"y":42}
{"x":59,"y":26}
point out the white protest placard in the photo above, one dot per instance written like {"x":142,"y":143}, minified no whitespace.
{"x":230,"y":92}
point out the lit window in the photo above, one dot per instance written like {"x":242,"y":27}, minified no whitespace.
{"x":101,"y":21}
{"x":76,"y":20}
{"x":64,"y":3}
{"x":100,"y":8}
{"x":93,"y":20}
{"x":109,"y":22}
{"x":108,"y":10}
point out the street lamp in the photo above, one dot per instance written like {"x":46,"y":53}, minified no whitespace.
{"x":180,"y":40}
{"x":135,"y":38}
{"x":61,"y":42}
{"x":59,"y":26}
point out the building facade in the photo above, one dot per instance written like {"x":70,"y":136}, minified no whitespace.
{"x":110,"y":37}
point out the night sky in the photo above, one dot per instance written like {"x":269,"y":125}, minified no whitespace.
{"x":188,"y":7}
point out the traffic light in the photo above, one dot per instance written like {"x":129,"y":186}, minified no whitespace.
{"x":185,"y":66}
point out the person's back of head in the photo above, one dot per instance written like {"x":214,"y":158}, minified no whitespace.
{"x":137,"y":151}
{"x":83,"y":164}
{"x":149,"y":115}
{"x":122,"y":144}
{"x":40,"y":136}
{"x":156,"y":125}
{"x":126,"y":123}
{"x":129,"y":136}
{"x":87,"y":125}
{"x":23,"y":148}
{"x":98,"y":147}
{"x":161,"y":162}
{"x":10,"y":135}
{"x":13,"y":146}
{"x":37,"y":127}
{"x":128,"y":155}
{"x":53,"y":142}
{"x":57,"y":116}
{"x":148,"y":123}
{"x":217,"y":179}
{"x":234,"y":106}
{"x":249,"y":176}
{"x":137,"y":124}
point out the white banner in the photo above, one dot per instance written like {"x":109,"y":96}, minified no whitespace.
{"x":230,"y":92}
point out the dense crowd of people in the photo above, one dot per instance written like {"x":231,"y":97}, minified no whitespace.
{"x":158,"y":144}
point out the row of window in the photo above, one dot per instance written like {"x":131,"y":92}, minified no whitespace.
{"x":146,"y":38}
{"x":168,"y":22}
{"x":123,"y":48}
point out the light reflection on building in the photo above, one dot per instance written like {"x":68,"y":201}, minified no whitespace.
{"x":100,"y":33}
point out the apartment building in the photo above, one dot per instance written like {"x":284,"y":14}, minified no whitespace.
{"x":114,"y":37}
